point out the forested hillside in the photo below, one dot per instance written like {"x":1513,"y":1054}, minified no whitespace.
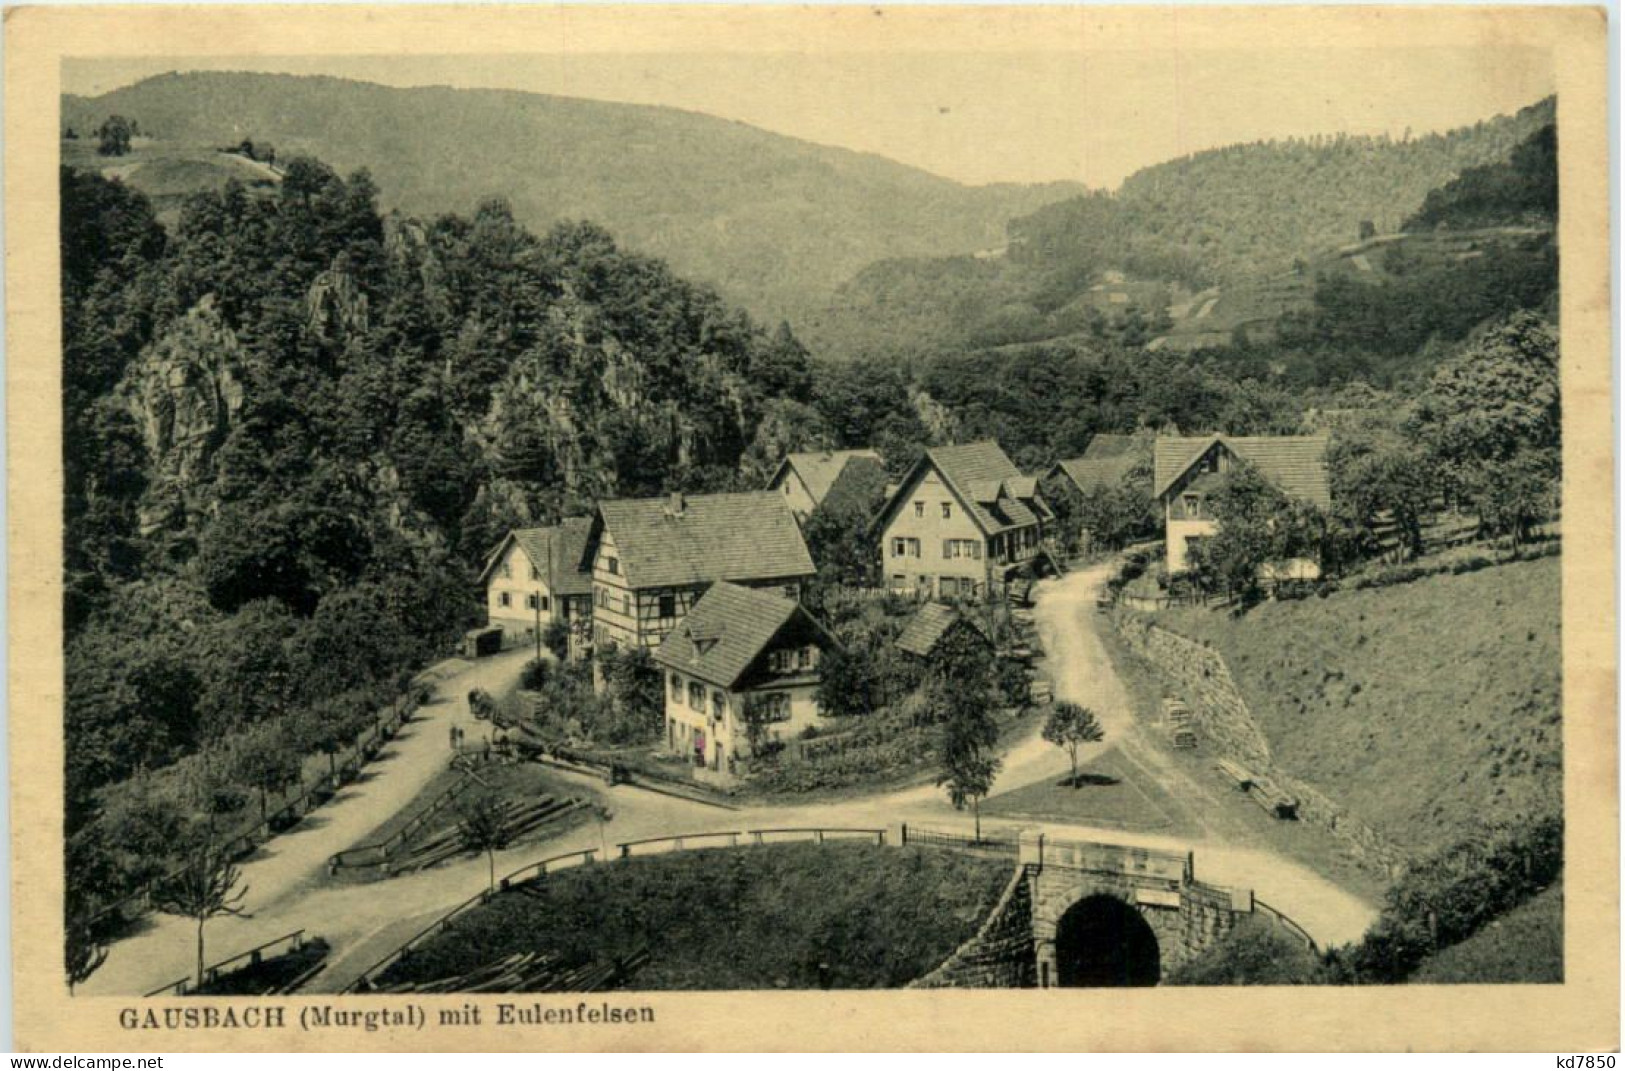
{"x":294,"y":426}
{"x":770,"y":220}
{"x":1232,"y":215}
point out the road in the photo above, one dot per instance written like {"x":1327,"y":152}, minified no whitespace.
{"x":288,"y":888}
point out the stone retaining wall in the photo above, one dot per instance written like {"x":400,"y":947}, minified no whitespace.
{"x":1199,"y":674}
{"x":1000,"y":956}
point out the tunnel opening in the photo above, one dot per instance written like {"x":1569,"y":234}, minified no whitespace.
{"x":1101,"y":941}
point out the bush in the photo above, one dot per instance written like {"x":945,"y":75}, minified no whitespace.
{"x":535,"y":676}
{"x":1256,"y":952}
{"x":556,"y":637}
{"x":1452,"y":895}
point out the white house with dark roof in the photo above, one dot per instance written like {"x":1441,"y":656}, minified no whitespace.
{"x":534,"y":577}
{"x":652,"y":558}
{"x":1187,"y":469}
{"x":807,"y":479}
{"x":737,"y":647}
{"x":962,"y":519}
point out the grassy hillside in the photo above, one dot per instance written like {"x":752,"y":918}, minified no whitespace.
{"x":1424,"y":707}
{"x":1524,"y":945}
{"x":764,"y":217}
{"x":746,"y":918}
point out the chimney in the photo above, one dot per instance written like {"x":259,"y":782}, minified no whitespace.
{"x":674,"y":504}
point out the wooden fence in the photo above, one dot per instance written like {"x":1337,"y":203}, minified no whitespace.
{"x":308,"y":797}
{"x":626,"y":850}
{"x":180,"y":987}
{"x":378,"y":853}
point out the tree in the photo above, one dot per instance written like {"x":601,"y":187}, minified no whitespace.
{"x":84,"y":953}
{"x":266,"y":761}
{"x":969,"y":774}
{"x":205,"y":888}
{"x":1070,"y":726}
{"x":482,"y":826}
{"x":846,"y":681}
{"x":115,"y":134}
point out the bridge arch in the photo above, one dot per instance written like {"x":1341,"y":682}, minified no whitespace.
{"x":1103,"y":941}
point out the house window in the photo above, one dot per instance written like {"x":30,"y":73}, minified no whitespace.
{"x":804,"y":658}
{"x":919,"y":509}
{"x":626,"y":605}
{"x":719,"y":706}
{"x":962,"y":548}
{"x":533,"y":602}
{"x":602,"y":597}
{"x":535,"y":573}
{"x":544,"y":603}
{"x":947,"y":510}
{"x":696,"y":696}
{"x":668,"y":607}
{"x":1193,"y":504}
{"x":676,"y":688}
{"x":504,"y":599}
{"x":613,"y":564}
{"x":507,"y":570}
{"x":776,"y":706}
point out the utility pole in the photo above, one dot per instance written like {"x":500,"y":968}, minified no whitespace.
{"x":538,"y":608}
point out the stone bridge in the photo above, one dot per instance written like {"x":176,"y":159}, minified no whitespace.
{"x":1078,"y":913}
{"x":1107,"y":914}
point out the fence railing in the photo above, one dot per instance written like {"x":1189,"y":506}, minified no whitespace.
{"x":180,"y":987}
{"x":1286,"y":923}
{"x":988,"y":842}
{"x":309,"y":796}
{"x":379,"y":852}
{"x":650,"y":846}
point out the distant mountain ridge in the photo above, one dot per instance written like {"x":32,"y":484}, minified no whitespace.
{"x":773,"y":221}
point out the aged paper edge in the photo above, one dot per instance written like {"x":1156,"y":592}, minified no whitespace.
{"x":1581,"y":1014}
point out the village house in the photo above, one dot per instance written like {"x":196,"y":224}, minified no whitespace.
{"x":534,"y":577}
{"x":740,"y":654}
{"x":652,"y":558}
{"x":960,"y":523}
{"x":932,"y":623}
{"x":807,"y":480}
{"x":1187,"y":469}
{"x":1103,"y":464}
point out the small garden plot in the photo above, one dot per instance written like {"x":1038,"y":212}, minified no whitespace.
{"x":783,"y":916}
{"x":1111,"y":792}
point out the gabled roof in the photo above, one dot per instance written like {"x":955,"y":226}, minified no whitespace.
{"x":749,"y":536}
{"x":928,"y":625}
{"x":820,"y":469}
{"x":983,"y":477}
{"x":1104,"y":462}
{"x":556,"y":552}
{"x":566,"y":574}
{"x":1294,"y":463}
{"x":726,"y":631}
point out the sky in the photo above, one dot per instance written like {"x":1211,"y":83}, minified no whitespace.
{"x":981,"y":117}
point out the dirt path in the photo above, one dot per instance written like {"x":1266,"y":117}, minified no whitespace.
{"x":280,"y":874}
{"x":365,"y":922}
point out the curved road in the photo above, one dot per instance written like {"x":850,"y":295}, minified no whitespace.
{"x":288,"y":888}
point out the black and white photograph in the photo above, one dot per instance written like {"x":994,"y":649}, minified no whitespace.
{"x":573,"y":522}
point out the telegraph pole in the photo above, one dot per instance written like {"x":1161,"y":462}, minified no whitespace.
{"x":538,"y":608}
